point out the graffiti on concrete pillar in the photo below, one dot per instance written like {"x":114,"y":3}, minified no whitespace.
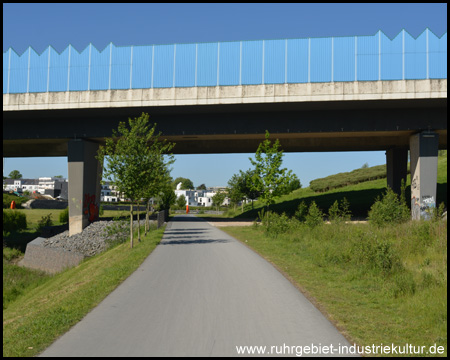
{"x":90,"y":208}
{"x":427,"y":204}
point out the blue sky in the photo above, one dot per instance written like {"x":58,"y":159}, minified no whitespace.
{"x":41,"y":25}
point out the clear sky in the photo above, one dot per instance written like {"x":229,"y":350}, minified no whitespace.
{"x":41,"y":25}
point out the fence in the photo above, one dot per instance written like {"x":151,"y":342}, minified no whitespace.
{"x":331,"y":59}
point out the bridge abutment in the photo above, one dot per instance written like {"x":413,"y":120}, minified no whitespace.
{"x":85,"y":173}
{"x":396,"y":167}
{"x":424,"y":161}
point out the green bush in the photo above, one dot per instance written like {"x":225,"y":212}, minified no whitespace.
{"x":46,"y":220}
{"x":277,"y":224}
{"x":64,"y":216}
{"x":389,"y":210}
{"x":315,"y":216}
{"x":340,"y":212}
{"x":13,"y":221}
{"x":301,"y":212}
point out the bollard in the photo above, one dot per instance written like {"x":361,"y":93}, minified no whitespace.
{"x":187,"y":209}
{"x":13,"y":204}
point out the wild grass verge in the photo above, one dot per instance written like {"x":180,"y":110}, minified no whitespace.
{"x":42,"y":313}
{"x":378,"y":285}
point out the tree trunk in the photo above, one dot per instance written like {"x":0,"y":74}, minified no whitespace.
{"x":147,"y":223}
{"x":131,"y":224}
{"x":139,"y":222}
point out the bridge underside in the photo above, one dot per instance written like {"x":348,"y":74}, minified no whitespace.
{"x":236,"y":128}
{"x":392,"y":125}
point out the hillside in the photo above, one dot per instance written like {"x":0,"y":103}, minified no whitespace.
{"x":361,"y":194}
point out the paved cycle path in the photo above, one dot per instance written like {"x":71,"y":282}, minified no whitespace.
{"x":199,"y":293}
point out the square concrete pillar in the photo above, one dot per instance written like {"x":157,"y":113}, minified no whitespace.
{"x":85,"y":174}
{"x":397,"y":168}
{"x":424,"y":161}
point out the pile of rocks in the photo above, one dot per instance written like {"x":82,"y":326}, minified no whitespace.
{"x":93,"y":240}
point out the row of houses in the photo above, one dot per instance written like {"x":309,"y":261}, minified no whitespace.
{"x":53,"y":186}
{"x":58,"y":188}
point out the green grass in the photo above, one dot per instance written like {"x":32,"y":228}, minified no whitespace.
{"x":377,"y":285}
{"x":361,"y":196}
{"x":46,"y":309}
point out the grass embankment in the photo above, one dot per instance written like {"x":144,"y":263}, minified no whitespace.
{"x":377,"y":285}
{"x":48,"y":306}
{"x":361,"y":195}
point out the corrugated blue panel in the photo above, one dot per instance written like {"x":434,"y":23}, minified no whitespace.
{"x":415,"y":57}
{"x":274,"y":61}
{"x":79,"y":69}
{"x":229,"y":63}
{"x":163,"y":66}
{"x":297,"y":61}
{"x":437,"y":56}
{"x":185,"y":65}
{"x":5,"y":71}
{"x":142,"y":67}
{"x":251,"y":62}
{"x":344,"y":59}
{"x":59,"y":66}
{"x":121,"y":67}
{"x":38,"y":71}
{"x":392,"y":57}
{"x":207,"y":64}
{"x":320,"y":60}
{"x":367,"y":58}
{"x":19,"y":72}
{"x":100,"y":68}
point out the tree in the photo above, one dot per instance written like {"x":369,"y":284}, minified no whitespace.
{"x":15,"y":174}
{"x":181,"y":201}
{"x":186,"y":184}
{"x":134,"y":160}
{"x":235,"y":189}
{"x":219,"y":198}
{"x":269,"y":178}
{"x":201,"y":187}
{"x":249,"y":188}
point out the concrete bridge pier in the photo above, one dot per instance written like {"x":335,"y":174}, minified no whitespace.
{"x":397,"y":168}
{"x":424,"y":161}
{"x":85,"y":173}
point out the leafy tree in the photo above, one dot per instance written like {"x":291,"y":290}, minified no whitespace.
{"x":249,"y":188}
{"x":219,"y":198}
{"x":181,"y":201}
{"x":201,"y":187}
{"x":15,"y":174}
{"x":236,"y":187}
{"x":134,"y":158}
{"x":186,"y":184}
{"x":269,"y":178}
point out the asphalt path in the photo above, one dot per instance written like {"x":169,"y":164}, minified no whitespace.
{"x":200,"y":293}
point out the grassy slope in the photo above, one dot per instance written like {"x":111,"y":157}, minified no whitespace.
{"x":44,"y":312}
{"x":360,"y":196}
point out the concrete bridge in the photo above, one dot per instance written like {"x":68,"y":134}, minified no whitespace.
{"x":393,"y":111}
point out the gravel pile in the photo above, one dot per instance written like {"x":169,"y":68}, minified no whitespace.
{"x":94,"y":239}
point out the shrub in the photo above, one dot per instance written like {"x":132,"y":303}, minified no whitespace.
{"x":301,"y":212}
{"x":64,"y":216}
{"x":389,"y":210}
{"x":46,"y":220}
{"x":279,"y":224}
{"x":13,"y":221}
{"x":314,"y":216}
